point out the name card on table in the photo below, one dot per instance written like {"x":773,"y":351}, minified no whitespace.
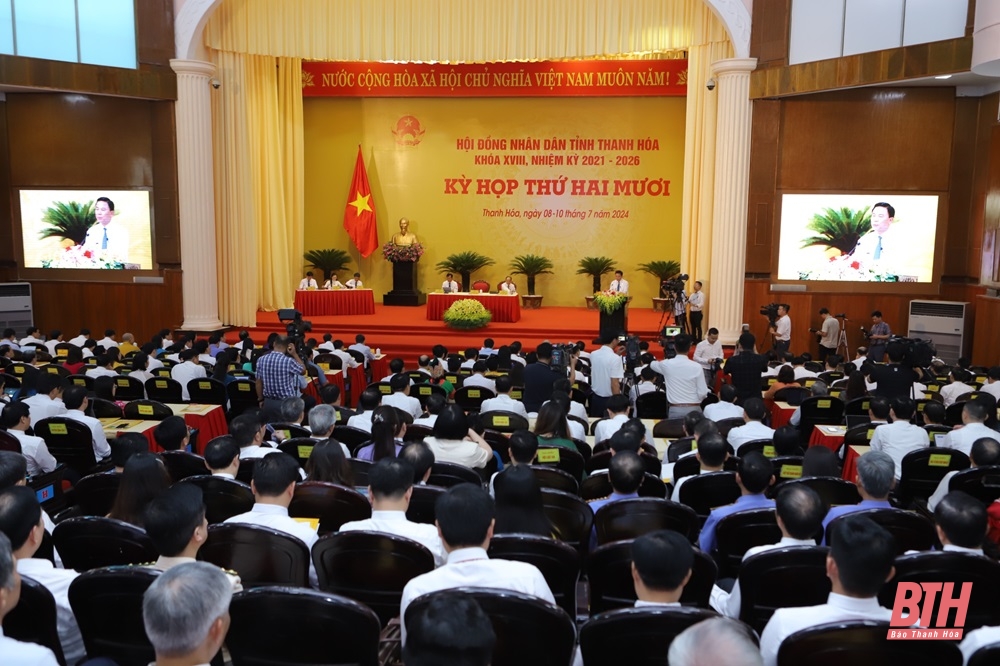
{"x":323,"y":366}
{"x":548,"y":455}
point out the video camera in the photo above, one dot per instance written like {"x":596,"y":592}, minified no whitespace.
{"x":771,"y":312}
{"x":632,"y":351}
{"x":670,"y":333}
{"x":296,"y":332}
{"x":916,"y":353}
{"x":561,"y":355}
{"x":675,"y":285}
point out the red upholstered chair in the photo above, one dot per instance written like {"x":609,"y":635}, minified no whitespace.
{"x":481,"y":285}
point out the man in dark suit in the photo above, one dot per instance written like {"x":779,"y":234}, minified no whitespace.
{"x":745,"y":369}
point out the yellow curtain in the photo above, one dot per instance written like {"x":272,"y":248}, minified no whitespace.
{"x":259,"y":184}
{"x":709,"y":44}
{"x":450,"y":30}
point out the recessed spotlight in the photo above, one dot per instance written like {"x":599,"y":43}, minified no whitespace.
{"x":942,"y":78}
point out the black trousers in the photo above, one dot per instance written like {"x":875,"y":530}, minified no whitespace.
{"x":825,"y":351}
{"x":696,"y":318}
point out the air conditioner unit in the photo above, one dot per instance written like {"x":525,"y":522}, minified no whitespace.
{"x":944,"y":323}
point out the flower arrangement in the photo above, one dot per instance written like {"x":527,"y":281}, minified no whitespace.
{"x":844,"y":267}
{"x":467,"y":313}
{"x":609,"y":301}
{"x":396,"y":253}
{"x":75,"y":256}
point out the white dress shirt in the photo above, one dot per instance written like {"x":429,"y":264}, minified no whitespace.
{"x":458,"y":451}
{"x":747,"y":433}
{"x":308,"y":283}
{"x":949,"y":392}
{"x":509,"y":289}
{"x":276,"y":517}
{"x":16,"y":653}
{"x":107,"y":343}
{"x":51,"y":346}
{"x":503,"y":403}
{"x":31,"y":340}
{"x":348,"y":360}
{"x":993,"y":388}
{"x":684,"y":380}
{"x":362,"y":421}
{"x":978,"y":638}
{"x":185,"y":372}
{"x":608,"y":427}
{"x":449,"y":286}
{"x":620,"y":286}
{"x":117,"y":245}
{"x":354,"y":284}
{"x":472,"y":567}
{"x":697,"y":301}
{"x":101,"y":448}
{"x":606,"y":365}
{"x":256,"y":451}
{"x":941,"y":490}
{"x":899,"y":438}
{"x":164,"y":563}
{"x":963,"y":438}
{"x":395,"y":522}
{"x":333,"y":284}
{"x":101,"y":372}
{"x":477,"y":379}
{"x":41,"y":406}
{"x":723,"y":410}
{"x":783,"y":328}
{"x":57,"y":582}
{"x":802,"y":373}
{"x":705,"y":352}
{"x":407,"y":403}
{"x":35,"y":452}
{"x":728,"y":603}
{"x":838,"y":608}
{"x":79,"y":340}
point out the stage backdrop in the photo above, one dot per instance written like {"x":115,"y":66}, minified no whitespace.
{"x":561,"y":177}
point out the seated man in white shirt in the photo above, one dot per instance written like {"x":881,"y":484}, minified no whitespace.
{"x":503,"y":402}
{"x":973,"y":427}
{"x":175,"y":522}
{"x":21,"y":523}
{"x":479,"y":378}
{"x":644,"y":385}
{"x":273,"y":485}
{"x":222,"y":457}
{"x":961,"y":523}
{"x":957,"y":385}
{"x":985,"y":452}
{"x":390,"y":485}
{"x":333,"y":282}
{"x":799,"y":367}
{"x":186,"y":370}
{"x":753,"y":413}
{"x":338,"y":350}
{"x":370,"y":399}
{"x":401,"y":398}
{"x":308,"y":282}
{"x":799,"y":512}
{"x":48,"y":401}
{"x":860,"y":562}
{"x":900,"y":437}
{"x":464,"y":517}
{"x":471,"y":354}
{"x":108,"y":341}
{"x":992,"y":385}
{"x":507,"y":287}
{"x":16,"y":420}
{"x":355,"y":282}
{"x":105,"y":367}
{"x":726,"y":408}
{"x":249,"y":432}
{"x":661,"y":567}
{"x":396,"y":366}
{"x":13,"y":651}
{"x":453,"y":629}
{"x":720,"y":640}
{"x":712,"y":456}
{"x":327,"y":344}
{"x":449,"y":286}
{"x":617,"y":415}
{"x":76,"y":401}
{"x":31,"y":337}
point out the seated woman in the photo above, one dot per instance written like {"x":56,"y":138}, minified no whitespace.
{"x":519,"y":508}
{"x":387,"y":435}
{"x":552,"y":427}
{"x":333,"y":283}
{"x":140,"y":367}
{"x":856,"y":386}
{"x":223,"y":363}
{"x":74,"y":361}
{"x":328,"y":463}
{"x":455,"y":442}
{"x":786,"y":378}
{"x":144,"y":478}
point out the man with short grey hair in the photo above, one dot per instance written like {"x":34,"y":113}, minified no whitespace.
{"x":15,"y":652}
{"x":322,"y":421}
{"x":875,"y":477}
{"x":186,"y":614}
{"x":292,"y":410}
{"x":719,"y":640}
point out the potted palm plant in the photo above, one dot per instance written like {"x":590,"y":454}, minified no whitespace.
{"x":329,"y":261}
{"x":465,"y":264}
{"x":662,"y":271}
{"x":596,"y":268}
{"x":838,"y":229}
{"x":530,"y":266}
{"x":68,"y":220}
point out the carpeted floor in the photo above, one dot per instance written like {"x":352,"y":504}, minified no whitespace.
{"x":404,"y":331}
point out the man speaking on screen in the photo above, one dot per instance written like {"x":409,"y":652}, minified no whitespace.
{"x":107,"y":236}
{"x":878,"y":249}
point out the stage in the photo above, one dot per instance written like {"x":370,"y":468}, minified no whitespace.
{"x":405,"y":331}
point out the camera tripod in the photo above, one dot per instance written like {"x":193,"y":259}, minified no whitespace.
{"x":842,"y":341}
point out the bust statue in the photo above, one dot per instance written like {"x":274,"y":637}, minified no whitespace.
{"x":404,"y":237}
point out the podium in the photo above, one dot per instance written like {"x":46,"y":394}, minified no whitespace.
{"x":404,"y":285}
{"x":614,"y":324}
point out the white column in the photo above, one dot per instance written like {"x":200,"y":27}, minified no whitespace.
{"x":196,"y":193}
{"x":732,"y":174}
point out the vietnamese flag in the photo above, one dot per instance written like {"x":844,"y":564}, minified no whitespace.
{"x":359,"y":216}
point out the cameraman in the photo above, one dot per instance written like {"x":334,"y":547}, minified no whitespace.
{"x":680,"y":307}
{"x":708,"y":354}
{"x":893,"y":380}
{"x":782,"y":329}
{"x":828,"y":332}
{"x":878,"y":337}
{"x":278,"y":377}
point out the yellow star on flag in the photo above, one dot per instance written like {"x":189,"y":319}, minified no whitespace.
{"x":361,"y":203}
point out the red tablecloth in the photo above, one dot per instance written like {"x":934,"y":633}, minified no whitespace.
{"x":781,"y":413}
{"x":210,"y":425}
{"x":830,"y":441}
{"x":334,"y":378}
{"x":504,"y":308}
{"x":851,"y":456}
{"x":335,"y":302}
{"x":380,"y":369}
{"x":357,"y":382}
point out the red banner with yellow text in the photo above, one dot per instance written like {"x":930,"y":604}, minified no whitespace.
{"x":575,"y":78}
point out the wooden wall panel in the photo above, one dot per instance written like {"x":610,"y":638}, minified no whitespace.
{"x":868,"y":140}
{"x":141,"y":309}
{"x":765,"y":156}
{"x":154,"y":21}
{"x":769,"y":33}
{"x":166,"y":215}
{"x":858,"y":307}
{"x":986,"y":345}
